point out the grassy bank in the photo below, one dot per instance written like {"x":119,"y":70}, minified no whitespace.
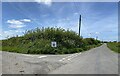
{"x":0,"y":45}
{"x":114,"y":46}
{"x":38,"y":41}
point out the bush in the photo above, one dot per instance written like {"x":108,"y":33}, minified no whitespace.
{"x":80,"y":50}
{"x":65,"y":51}
{"x":38,"y":41}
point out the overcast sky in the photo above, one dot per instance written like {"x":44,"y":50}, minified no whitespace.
{"x":98,"y":19}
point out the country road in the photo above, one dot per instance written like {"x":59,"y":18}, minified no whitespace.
{"x":97,"y":61}
{"x":100,"y":60}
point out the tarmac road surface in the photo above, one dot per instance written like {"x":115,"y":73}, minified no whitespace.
{"x":100,"y":60}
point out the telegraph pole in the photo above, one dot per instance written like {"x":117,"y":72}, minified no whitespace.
{"x":79,"y":24}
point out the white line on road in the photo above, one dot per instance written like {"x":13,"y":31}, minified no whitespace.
{"x":70,"y":57}
{"x":42,"y":56}
{"x":61,"y":60}
{"x":35,"y":56}
{"x":74,"y":56}
{"x":29,"y":55}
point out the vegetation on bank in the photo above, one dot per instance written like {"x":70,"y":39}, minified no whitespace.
{"x":114,"y":46}
{"x":0,"y":45}
{"x":38,"y":41}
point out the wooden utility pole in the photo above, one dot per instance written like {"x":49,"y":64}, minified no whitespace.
{"x":79,"y":24}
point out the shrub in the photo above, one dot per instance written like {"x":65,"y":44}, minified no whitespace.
{"x":80,"y":50}
{"x":65,"y":51}
{"x":38,"y":41}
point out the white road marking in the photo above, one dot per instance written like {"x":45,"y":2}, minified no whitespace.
{"x":35,"y":56}
{"x":42,"y":56}
{"x":70,"y":57}
{"x":73,"y":56}
{"x":61,"y":60}
{"x":29,"y":55}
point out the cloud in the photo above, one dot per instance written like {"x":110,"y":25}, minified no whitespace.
{"x":10,"y":33}
{"x":96,"y":32}
{"x":16,"y":26}
{"x":26,"y":20}
{"x":17,"y":23}
{"x":76,"y":13}
{"x":46,"y":2}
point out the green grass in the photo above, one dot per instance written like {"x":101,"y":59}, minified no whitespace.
{"x":114,"y":46}
{"x":0,"y":45}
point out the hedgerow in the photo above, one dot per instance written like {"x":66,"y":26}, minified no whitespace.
{"x":38,"y":41}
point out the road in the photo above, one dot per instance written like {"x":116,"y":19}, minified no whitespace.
{"x":100,"y":60}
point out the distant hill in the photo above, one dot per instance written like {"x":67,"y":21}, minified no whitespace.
{"x":38,"y":41}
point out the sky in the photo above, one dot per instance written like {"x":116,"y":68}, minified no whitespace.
{"x":99,"y":19}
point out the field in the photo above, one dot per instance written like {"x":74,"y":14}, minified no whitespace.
{"x":114,"y":46}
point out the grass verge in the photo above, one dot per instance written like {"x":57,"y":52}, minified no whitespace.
{"x":114,"y":46}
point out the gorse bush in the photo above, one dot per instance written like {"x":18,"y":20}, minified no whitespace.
{"x":38,"y":41}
